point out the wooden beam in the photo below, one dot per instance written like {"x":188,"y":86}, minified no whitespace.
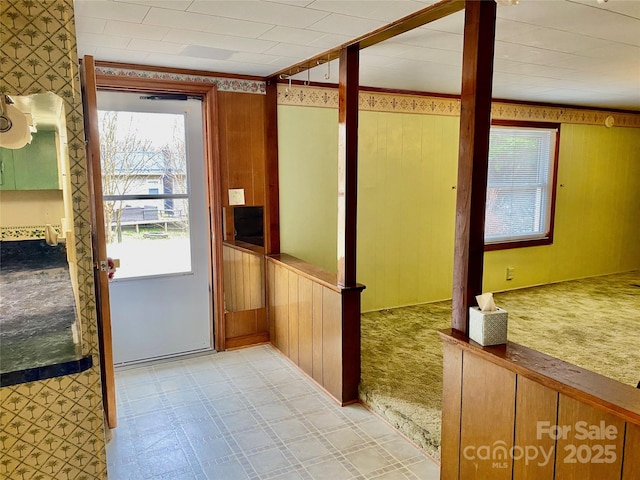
{"x":272,"y":210}
{"x":475,"y":122}
{"x":417,"y":19}
{"x":347,"y":164}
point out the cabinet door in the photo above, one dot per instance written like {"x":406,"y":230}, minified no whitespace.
{"x":7,"y":180}
{"x":36,"y":164}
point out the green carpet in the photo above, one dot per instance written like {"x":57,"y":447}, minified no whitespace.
{"x":593,"y":323}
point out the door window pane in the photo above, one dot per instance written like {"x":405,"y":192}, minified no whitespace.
{"x":145,"y":191}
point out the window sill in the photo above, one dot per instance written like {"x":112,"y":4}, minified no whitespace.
{"x":489,"y":247}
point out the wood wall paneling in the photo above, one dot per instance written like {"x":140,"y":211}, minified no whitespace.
{"x":332,"y":342}
{"x":256,"y":271}
{"x":271,"y":299}
{"x":312,"y":324}
{"x":281,"y":304}
{"x":243,"y":146}
{"x":534,"y":403}
{"x":244,"y":280}
{"x":451,"y":399}
{"x":244,"y":322}
{"x":293,"y":318}
{"x":317,"y":347}
{"x":487,"y":419}
{"x":580,"y":458}
{"x":305,"y":325}
{"x":631,"y":466}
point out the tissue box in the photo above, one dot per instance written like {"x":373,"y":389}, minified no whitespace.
{"x":488,"y":328}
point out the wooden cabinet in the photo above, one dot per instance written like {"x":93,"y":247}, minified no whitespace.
{"x":32,"y":167}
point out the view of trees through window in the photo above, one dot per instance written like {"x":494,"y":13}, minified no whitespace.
{"x":519,"y":186}
{"x":144,"y":183}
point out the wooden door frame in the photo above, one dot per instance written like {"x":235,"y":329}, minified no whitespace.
{"x":98,"y":245}
{"x":208,"y":93}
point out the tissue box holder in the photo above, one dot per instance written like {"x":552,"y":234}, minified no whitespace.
{"x":488,"y":328}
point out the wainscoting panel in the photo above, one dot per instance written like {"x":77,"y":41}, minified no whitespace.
{"x":585,"y":458}
{"x":451,"y":395}
{"x":246,"y":319}
{"x":631,"y":469}
{"x":315,"y":324}
{"x":526,"y":411}
{"x":487,"y":419}
{"x":534,"y":403}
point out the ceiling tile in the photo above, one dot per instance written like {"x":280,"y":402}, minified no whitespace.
{"x":259,"y":58}
{"x":152,"y":46}
{"x":135,"y":30}
{"x":257,"y":11}
{"x":346,"y":25}
{"x":228,"y":42}
{"x":509,"y":29}
{"x":171,"y":4}
{"x":430,"y":38}
{"x":91,"y":25}
{"x":291,"y":50}
{"x":557,"y":40}
{"x":296,"y":3}
{"x":330,"y":40}
{"x":205,"y":23}
{"x":119,"y":55}
{"x":384,"y":10}
{"x":292,"y":35}
{"x":101,"y":40}
{"x":453,"y":23}
{"x":110,"y":10}
{"x":576,"y":18}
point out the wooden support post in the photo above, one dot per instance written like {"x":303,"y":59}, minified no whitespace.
{"x":347,"y":164}
{"x":272,"y":208}
{"x":475,"y":122}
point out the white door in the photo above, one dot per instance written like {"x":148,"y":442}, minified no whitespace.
{"x":154,"y":192}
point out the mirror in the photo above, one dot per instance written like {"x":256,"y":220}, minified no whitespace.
{"x":38,"y":273}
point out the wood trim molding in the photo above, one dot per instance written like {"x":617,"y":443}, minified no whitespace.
{"x":208,"y":92}
{"x":430,"y":104}
{"x":142,"y":73}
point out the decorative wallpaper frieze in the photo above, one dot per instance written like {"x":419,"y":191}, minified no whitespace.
{"x":224,"y":84}
{"x":28,"y":232}
{"x":393,"y":102}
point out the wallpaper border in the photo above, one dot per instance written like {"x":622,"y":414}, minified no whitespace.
{"x":327,"y":97}
{"x":223,"y":84}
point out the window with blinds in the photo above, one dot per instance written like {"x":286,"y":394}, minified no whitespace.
{"x":520,"y":184}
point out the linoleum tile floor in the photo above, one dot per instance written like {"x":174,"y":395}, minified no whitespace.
{"x":248,"y":414}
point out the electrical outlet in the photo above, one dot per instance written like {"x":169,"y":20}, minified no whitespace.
{"x":510,"y":273}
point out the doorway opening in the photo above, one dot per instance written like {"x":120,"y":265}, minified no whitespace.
{"x":156,"y":225}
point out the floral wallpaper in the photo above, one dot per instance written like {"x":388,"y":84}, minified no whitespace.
{"x":238,"y":85}
{"x":53,"y":429}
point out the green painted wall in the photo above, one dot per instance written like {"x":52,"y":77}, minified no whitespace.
{"x":308,"y":176}
{"x":597,"y":230}
{"x":406,"y":209}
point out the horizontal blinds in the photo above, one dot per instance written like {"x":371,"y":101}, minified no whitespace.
{"x":518,"y":183}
